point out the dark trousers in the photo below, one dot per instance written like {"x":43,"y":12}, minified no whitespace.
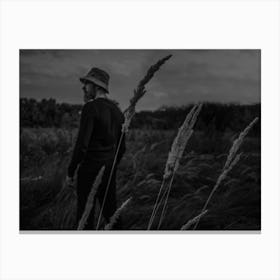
{"x":87,"y":172}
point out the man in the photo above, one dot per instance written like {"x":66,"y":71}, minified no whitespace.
{"x":98,"y":137}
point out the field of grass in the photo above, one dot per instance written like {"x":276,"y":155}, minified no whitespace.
{"x":236,"y":205}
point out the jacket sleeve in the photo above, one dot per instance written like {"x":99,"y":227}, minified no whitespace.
{"x":83,"y":138}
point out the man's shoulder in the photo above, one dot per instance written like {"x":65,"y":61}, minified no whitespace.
{"x":89,"y":106}
{"x":112,"y":103}
{"x":116,"y":104}
{"x":96,"y":105}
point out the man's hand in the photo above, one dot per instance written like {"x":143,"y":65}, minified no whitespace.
{"x":69,"y":181}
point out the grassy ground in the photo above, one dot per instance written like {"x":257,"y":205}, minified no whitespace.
{"x":45,"y":205}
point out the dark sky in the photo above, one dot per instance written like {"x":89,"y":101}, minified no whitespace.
{"x":189,"y":76}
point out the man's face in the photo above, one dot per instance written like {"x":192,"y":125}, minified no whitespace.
{"x":89,"y":91}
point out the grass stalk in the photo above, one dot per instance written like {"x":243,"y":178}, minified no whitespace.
{"x":232,"y":159}
{"x":90,"y":200}
{"x":116,"y":215}
{"x":193,"y":220}
{"x":165,"y":202}
{"x":222,"y":176}
{"x":128,"y":114}
{"x":108,"y":183}
{"x":157,"y":204}
{"x":174,"y":156}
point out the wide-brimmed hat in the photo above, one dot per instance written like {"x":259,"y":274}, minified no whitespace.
{"x":98,"y":77}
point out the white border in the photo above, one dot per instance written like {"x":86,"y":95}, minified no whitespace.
{"x":153,"y":24}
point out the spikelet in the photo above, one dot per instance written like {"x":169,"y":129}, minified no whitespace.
{"x":180,"y":141}
{"x":90,"y":199}
{"x":116,"y":215}
{"x":173,"y":161}
{"x":139,"y":92}
{"x":128,"y":115}
{"x":225,"y":172}
{"x":237,"y":143}
{"x":192,"y":221}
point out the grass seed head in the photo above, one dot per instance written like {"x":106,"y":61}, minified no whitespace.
{"x":237,"y":143}
{"x":180,"y":141}
{"x":194,"y":220}
{"x":140,"y":91}
{"x":117,"y":214}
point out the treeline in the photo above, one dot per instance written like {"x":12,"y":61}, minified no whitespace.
{"x":213,"y":117}
{"x":48,"y":113}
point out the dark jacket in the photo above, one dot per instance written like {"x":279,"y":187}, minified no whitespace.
{"x":99,"y":133}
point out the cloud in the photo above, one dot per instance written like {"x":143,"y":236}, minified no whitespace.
{"x":159,"y":94}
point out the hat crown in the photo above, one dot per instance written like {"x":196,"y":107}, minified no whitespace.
{"x":99,"y":74}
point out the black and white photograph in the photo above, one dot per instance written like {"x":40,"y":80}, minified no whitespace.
{"x":140,"y":140}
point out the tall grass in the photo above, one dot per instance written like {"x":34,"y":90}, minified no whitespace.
{"x":140,"y":91}
{"x":232,"y":159}
{"x":91,"y":199}
{"x":63,"y":207}
{"x":116,"y":215}
{"x":173,"y":161}
{"x":194,"y":180}
{"x":193,"y":220}
{"x":129,"y":113}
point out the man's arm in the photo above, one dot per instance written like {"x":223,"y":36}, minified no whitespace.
{"x":84,"y":135}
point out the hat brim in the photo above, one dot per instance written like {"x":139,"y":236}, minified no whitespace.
{"x":95,"y":81}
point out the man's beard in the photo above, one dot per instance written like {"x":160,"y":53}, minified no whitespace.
{"x":88,"y":97}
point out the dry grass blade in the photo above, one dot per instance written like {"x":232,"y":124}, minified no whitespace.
{"x":157,"y":204}
{"x":183,"y":138}
{"x":140,"y":91}
{"x":31,"y":179}
{"x":174,"y":156}
{"x":237,"y":143}
{"x":90,"y":200}
{"x":180,"y":141}
{"x":232,"y":159}
{"x":222,"y":176}
{"x":225,"y":172}
{"x":166,"y":195}
{"x":193,"y":220}
{"x":109,"y":182}
{"x":128,"y":114}
{"x":116,"y":215}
